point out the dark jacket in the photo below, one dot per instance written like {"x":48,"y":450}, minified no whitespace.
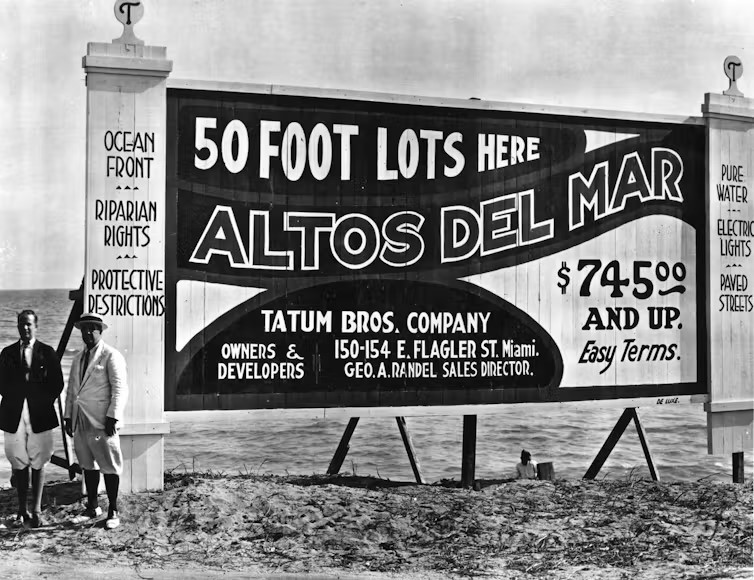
{"x":44,"y":386}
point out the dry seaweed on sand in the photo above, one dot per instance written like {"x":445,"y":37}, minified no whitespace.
{"x":359,"y":524}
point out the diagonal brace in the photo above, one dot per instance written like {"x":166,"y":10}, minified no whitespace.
{"x":628,"y":415}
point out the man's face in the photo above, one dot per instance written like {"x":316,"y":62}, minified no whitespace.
{"x":27,"y":328}
{"x":90,"y":334}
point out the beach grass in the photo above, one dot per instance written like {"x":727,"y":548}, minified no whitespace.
{"x":365,"y":526}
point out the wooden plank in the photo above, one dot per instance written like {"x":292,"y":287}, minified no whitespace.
{"x":145,"y":428}
{"x":409,"y":445}
{"x":729,"y":432}
{"x":609,"y":444}
{"x":342,"y":450}
{"x":460,"y":401}
{"x":482,"y":105}
{"x":151,"y":461}
{"x":415,"y":411}
{"x":126,"y":477}
{"x":645,"y":446}
{"x":73,"y":468}
{"x":142,"y":463}
{"x":76,"y":310}
{"x":731,"y":405}
{"x":738,"y":467}
{"x":468,"y":451}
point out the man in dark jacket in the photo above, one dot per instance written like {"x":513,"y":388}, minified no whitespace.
{"x":30,"y":381}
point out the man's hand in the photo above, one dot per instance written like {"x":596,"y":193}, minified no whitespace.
{"x":110,"y":426}
{"x":68,"y":428}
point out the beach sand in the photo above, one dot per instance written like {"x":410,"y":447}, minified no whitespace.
{"x":255,"y":526}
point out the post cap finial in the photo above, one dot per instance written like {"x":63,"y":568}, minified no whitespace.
{"x":128,"y":13}
{"x":733,"y":68}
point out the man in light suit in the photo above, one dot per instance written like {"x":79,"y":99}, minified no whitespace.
{"x":96,"y":399}
{"x":30,"y":381}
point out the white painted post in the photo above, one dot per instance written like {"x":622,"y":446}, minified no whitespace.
{"x":125,"y":228}
{"x":730,"y":277}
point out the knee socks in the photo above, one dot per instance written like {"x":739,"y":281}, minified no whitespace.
{"x":112,"y":483}
{"x":37,"y":487}
{"x":22,"y":487}
{"x":91,"y":481}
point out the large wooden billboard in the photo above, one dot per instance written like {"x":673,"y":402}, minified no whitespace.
{"x":329,"y":250}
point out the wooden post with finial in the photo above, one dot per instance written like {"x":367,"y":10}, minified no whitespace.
{"x":124,"y":276}
{"x":729,"y":119}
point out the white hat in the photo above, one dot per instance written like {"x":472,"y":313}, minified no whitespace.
{"x":90,"y":318}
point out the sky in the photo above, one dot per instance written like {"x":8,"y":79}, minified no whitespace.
{"x":648,"y":56}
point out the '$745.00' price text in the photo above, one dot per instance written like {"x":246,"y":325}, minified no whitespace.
{"x":646,"y":278}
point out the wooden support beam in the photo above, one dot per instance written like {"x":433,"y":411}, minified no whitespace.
{"x":645,"y":446}
{"x":468,"y":452}
{"x":609,"y":444}
{"x":64,"y":463}
{"x":738,"y":467}
{"x":409,"y":445}
{"x":76,"y":311}
{"x":342,"y":450}
{"x":628,"y":415}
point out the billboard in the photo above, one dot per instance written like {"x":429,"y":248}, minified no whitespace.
{"x":330,"y":250}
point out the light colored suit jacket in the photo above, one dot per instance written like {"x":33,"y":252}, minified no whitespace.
{"x":103,"y":390}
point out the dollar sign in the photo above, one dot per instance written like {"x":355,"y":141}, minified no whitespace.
{"x":564,"y":278}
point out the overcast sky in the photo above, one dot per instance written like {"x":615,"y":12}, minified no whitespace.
{"x":648,"y":56}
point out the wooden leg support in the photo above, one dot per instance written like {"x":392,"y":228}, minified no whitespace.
{"x":628,"y":415}
{"x":738,"y":467}
{"x":342,"y":450}
{"x":410,"y":449}
{"x":468,"y":452}
{"x":343,"y":447}
{"x":609,"y":444}
{"x":76,"y":311}
{"x":645,"y":447}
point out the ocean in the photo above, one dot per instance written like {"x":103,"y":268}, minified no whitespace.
{"x":567,"y":436}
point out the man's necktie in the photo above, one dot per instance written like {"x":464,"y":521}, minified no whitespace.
{"x":26,"y":358}
{"x":84,"y":364}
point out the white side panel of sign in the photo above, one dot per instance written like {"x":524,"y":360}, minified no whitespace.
{"x":730,"y":163}
{"x":124,"y":280}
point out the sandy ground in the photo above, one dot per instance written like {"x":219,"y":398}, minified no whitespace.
{"x":211,"y":526}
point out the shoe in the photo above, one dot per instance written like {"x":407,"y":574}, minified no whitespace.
{"x":112,"y":521}
{"x":20,"y":518}
{"x":88,"y":515}
{"x":36,"y":521}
